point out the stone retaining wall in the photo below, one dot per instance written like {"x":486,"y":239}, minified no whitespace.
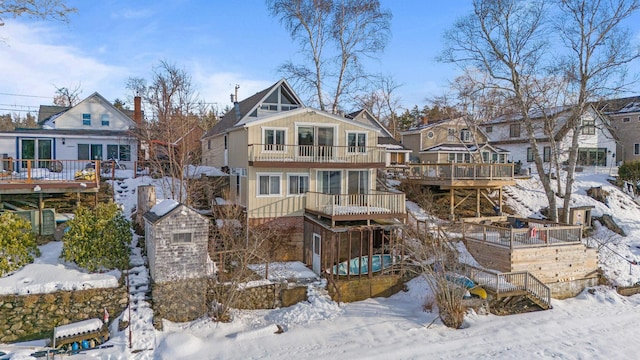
{"x":24,"y":317}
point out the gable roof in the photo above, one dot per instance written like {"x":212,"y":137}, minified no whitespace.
{"x":160,"y":210}
{"x":419,"y":128}
{"x":369,"y":116}
{"x":47,"y":111}
{"x":247,"y":106}
{"x":51,"y":112}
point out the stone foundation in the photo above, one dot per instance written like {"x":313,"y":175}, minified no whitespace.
{"x":569,"y":289}
{"x":25,"y":317}
{"x":363,"y":288}
{"x":179,"y":301}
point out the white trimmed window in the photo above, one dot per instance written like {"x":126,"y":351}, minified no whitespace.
{"x":269,"y":184}
{"x":273,"y":139}
{"x":451,"y":134}
{"x":465,"y":135}
{"x":86,"y":119}
{"x":298,"y":184}
{"x":357,"y":142}
{"x":104,"y":120}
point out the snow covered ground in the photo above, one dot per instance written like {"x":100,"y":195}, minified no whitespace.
{"x":597,"y":324}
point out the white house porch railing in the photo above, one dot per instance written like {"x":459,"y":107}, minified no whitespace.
{"x":470,"y":171}
{"x":375,"y":202}
{"x":536,"y":235}
{"x":316,"y":154}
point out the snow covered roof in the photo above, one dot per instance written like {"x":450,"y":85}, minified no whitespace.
{"x":161,"y":209}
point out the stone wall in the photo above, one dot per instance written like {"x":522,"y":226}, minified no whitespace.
{"x":269,"y":296}
{"x":24,"y":317}
{"x":179,"y":301}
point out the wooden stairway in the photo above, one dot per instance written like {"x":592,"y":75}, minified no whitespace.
{"x":512,"y":293}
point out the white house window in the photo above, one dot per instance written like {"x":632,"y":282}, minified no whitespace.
{"x":451,"y":134}
{"x":208,"y":144}
{"x":465,"y":135}
{"x":86,"y":119}
{"x":459,"y":157}
{"x":90,"y":151}
{"x":636,"y":149}
{"x":430,"y":134}
{"x":627,"y":119}
{"x":588,"y":127}
{"x":104,"y":121}
{"x":269,"y":184}
{"x":485,"y":156}
{"x":546,"y":154}
{"x":514,"y":130}
{"x":298,"y":184}
{"x":274,"y":139}
{"x":357,"y":142}
{"x":185,"y":237}
{"x":119,"y":152}
{"x":529,"y":154}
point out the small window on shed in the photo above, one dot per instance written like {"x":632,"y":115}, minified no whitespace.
{"x":182,"y":237}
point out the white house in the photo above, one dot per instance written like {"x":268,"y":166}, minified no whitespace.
{"x":93,"y":129}
{"x":597,"y":142}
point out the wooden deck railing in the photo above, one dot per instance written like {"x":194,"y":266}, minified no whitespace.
{"x":316,"y":154}
{"x":375,"y":202}
{"x":457,"y":171}
{"x":535,"y":235}
{"x":504,"y":283}
{"x":38,"y":171}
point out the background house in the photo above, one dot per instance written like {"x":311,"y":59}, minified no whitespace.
{"x":597,"y":142}
{"x":91,"y":130}
{"x":451,"y":141}
{"x":624,"y":115}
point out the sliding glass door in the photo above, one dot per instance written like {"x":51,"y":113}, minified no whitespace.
{"x":316,"y":141}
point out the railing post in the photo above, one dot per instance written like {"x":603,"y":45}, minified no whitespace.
{"x":28,"y":171}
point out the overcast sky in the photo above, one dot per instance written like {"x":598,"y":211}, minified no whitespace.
{"x":219,"y":43}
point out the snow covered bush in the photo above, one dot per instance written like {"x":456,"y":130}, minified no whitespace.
{"x":98,"y":239}
{"x":17,"y":243}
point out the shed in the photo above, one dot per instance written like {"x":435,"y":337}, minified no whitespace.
{"x":176,"y":238}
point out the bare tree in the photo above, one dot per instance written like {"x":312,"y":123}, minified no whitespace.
{"x":599,"y":48}
{"x":381,"y":99}
{"x":334,"y":36}
{"x":38,"y":9}
{"x":176,"y":110}
{"x":507,"y":40}
{"x":67,"y":96}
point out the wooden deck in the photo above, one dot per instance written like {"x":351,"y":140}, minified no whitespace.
{"x":551,"y":252}
{"x":458,"y":175}
{"x":49,"y":176}
{"x":352,"y":207}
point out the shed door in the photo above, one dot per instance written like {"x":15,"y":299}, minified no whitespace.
{"x":316,"y":253}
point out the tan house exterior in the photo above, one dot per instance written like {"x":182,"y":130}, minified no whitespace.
{"x":624,"y":115}
{"x":302,"y":168}
{"x":451,"y":141}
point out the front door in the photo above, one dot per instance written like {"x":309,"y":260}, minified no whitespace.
{"x":316,"y":253}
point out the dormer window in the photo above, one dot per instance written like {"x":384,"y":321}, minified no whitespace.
{"x":465,"y":135}
{"x":86,"y":119}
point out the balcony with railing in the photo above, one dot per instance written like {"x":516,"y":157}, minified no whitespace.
{"x":459,"y":174}
{"x":353,"y":207}
{"x":19,"y":176}
{"x":304,"y":156}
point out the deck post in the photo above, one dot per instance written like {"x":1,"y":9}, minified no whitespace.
{"x":452,"y":199}
{"x":370,"y":258}
{"x":477,"y":202}
{"x":500,"y":200}
{"x":40,"y":207}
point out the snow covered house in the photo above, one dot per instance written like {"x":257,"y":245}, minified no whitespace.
{"x":308,"y":171}
{"x":176,"y":239}
{"x":451,"y":141}
{"x":597,"y":141}
{"x":93,"y":129}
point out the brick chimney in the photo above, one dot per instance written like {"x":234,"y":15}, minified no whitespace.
{"x":425,"y":120}
{"x":137,"y":111}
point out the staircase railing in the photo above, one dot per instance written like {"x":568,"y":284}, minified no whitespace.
{"x":502,"y":283}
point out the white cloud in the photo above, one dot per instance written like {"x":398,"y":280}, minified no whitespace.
{"x":34,"y":61}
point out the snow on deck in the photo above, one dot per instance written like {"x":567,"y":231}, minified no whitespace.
{"x":80,"y":327}
{"x":291,"y":270}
